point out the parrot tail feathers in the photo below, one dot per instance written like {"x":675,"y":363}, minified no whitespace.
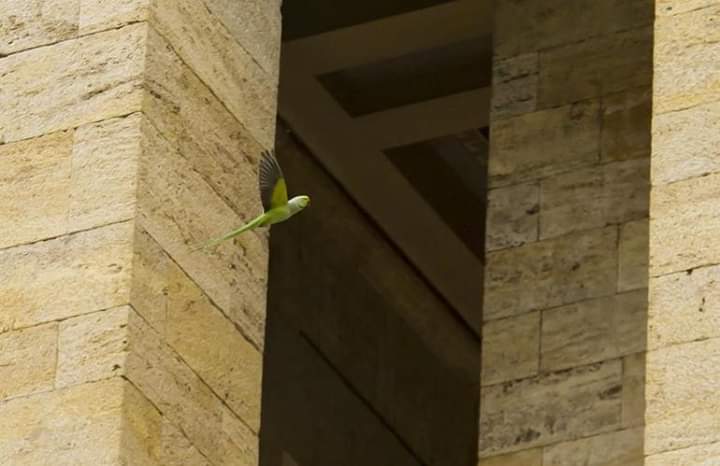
{"x":255,"y":223}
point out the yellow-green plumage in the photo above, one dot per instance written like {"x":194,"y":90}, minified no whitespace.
{"x":273,"y":193}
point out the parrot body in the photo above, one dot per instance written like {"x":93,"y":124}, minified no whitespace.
{"x":273,"y":192}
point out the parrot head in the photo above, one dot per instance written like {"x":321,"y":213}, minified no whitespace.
{"x":298,"y":203}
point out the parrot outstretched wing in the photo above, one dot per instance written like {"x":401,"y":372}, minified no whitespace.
{"x":273,"y":189}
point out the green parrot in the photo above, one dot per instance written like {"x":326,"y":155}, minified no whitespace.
{"x":273,"y":193}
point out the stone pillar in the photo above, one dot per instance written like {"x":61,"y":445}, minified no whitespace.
{"x":683,"y":361}
{"x":566,"y":279}
{"x":129,"y":133}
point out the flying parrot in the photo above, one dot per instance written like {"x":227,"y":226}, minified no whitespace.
{"x":273,"y":193}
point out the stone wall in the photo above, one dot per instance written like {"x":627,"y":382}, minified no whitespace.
{"x":130,"y":133}
{"x":683,"y":427}
{"x":365,"y":364}
{"x":565,"y":303}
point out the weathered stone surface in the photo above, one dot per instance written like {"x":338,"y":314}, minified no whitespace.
{"x":622,"y":448}
{"x":626,"y":125}
{"x":523,"y":458}
{"x":104,"y":172}
{"x":633,"y":409}
{"x":685,"y":144}
{"x":41,"y":280}
{"x":684,"y":307}
{"x":510,"y":349}
{"x":102,"y":15}
{"x":182,"y":397}
{"x":596,"y":67}
{"x":31,"y":23}
{"x":92,"y":347}
{"x":594,"y":197}
{"x":544,"y":143}
{"x":256,"y":25}
{"x":171,"y":197}
{"x":27,"y":361}
{"x":515,"y":82}
{"x":550,"y":273}
{"x":49,"y":188}
{"x":594,"y":330}
{"x":633,"y":255}
{"x":34,"y":188}
{"x":682,"y":399}
{"x":687,"y":60}
{"x":206,"y":339}
{"x":550,"y":408}
{"x":676,"y":7}
{"x":701,"y":455}
{"x":684,"y":224}
{"x":528,"y":25}
{"x":71,"y":83}
{"x":194,"y":121}
{"x":512,"y":216}
{"x":83,"y":430}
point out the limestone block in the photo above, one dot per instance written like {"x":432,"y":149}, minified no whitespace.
{"x":626,"y":124}
{"x":594,"y":197}
{"x":84,"y":429}
{"x":92,"y":347}
{"x":676,"y":7}
{"x":523,"y":458}
{"x":685,"y":144}
{"x":682,"y":399}
{"x":594,"y":330}
{"x":41,"y":280}
{"x":633,"y":410}
{"x":183,"y":398}
{"x":515,"y":82}
{"x":687,"y":60}
{"x":205,"y":338}
{"x":622,"y":448}
{"x":684,"y":307}
{"x":71,"y":83}
{"x":102,"y":15}
{"x":540,"y":144}
{"x":26,"y":24}
{"x":633,"y":255}
{"x":550,"y":273}
{"x":512,"y":216}
{"x":192,"y":119}
{"x":172,"y":196}
{"x":701,"y":455}
{"x":510,"y":349}
{"x":27,"y":360}
{"x":684,"y":224}
{"x":597,"y":67}
{"x":550,"y":408}
{"x":528,"y":25}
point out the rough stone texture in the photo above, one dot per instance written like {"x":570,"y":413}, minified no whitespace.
{"x":701,"y":455}
{"x":623,"y":60}
{"x":594,"y":197}
{"x":540,"y":144}
{"x":92,"y":347}
{"x":633,"y":390}
{"x":684,"y":307}
{"x":622,"y":448}
{"x":682,"y":396}
{"x":512,"y":216}
{"x":83,"y":430}
{"x":515,"y":82}
{"x":684,"y":224}
{"x":633,"y":255}
{"x":71,"y":83}
{"x":523,"y":458}
{"x":27,"y":360}
{"x":32,"y":23}
{"x":626,"y":125}
{"x":594,"y":330}
{"x":97,"y":262}
{"x":550,"y":273}
{"x":550,"y":408}
{"x":511,"y":349}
